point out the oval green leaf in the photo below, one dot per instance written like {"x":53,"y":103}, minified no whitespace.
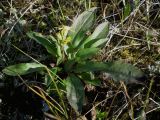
{"x":117,"y":69}
{"x":23,"y":69}
{"x":75,"y":92}
{"x":89,"y":78}
{"x":87,"y":53}
{"x":99,"y":36}
{"x":81,"y":25}
{"x":49,"y":45}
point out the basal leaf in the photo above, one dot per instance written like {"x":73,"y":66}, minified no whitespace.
{"x":68,"y":66}
{"x":57,"y":49}
{"x":124,"y":71}
{"x":49,"y":45}
{"x":90,"y":67}
{"x":23,"y":69}
{"x":97,"y":43}
{"x":95,"y":82}
{"x":86,"y":53}
{"x":100,"y":32}
{"x":118,"y":70}
{"x":81,"y":25}
{"x":89,"y":78}
{"x":99,"y":35}
{"x":75,"y":92}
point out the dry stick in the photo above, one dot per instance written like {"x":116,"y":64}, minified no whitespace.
{"x":113,"y":101}
{"x":60,"y":10}
{"x":154,"y":18}
{"x":124,"y":106}
{"x":115,"y":8}
{"x":125,"y":33}
{"x":121,"y":47}
{"x":104,"y":13}
{"x":48,"y":70}
{"x":44,"y":96}
{"x":41,"y":94}
{"x":152,"y":109}
{"x":38,"y":94}
{"x":50,"y":117}
{"x":21,"y":16}
{"x":149,"y":89}
{"x":130,"y":101}
{"x":153,"y":43}
{"x":50,"y":97}
{"x":35,"y":60}
{"x":31,"y":4}
{"x":148,"y":112}
{"x":148,"y":93}
{"x":112,"y":31}
{"x":154,"y":102}
{"x":99,"y":103}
